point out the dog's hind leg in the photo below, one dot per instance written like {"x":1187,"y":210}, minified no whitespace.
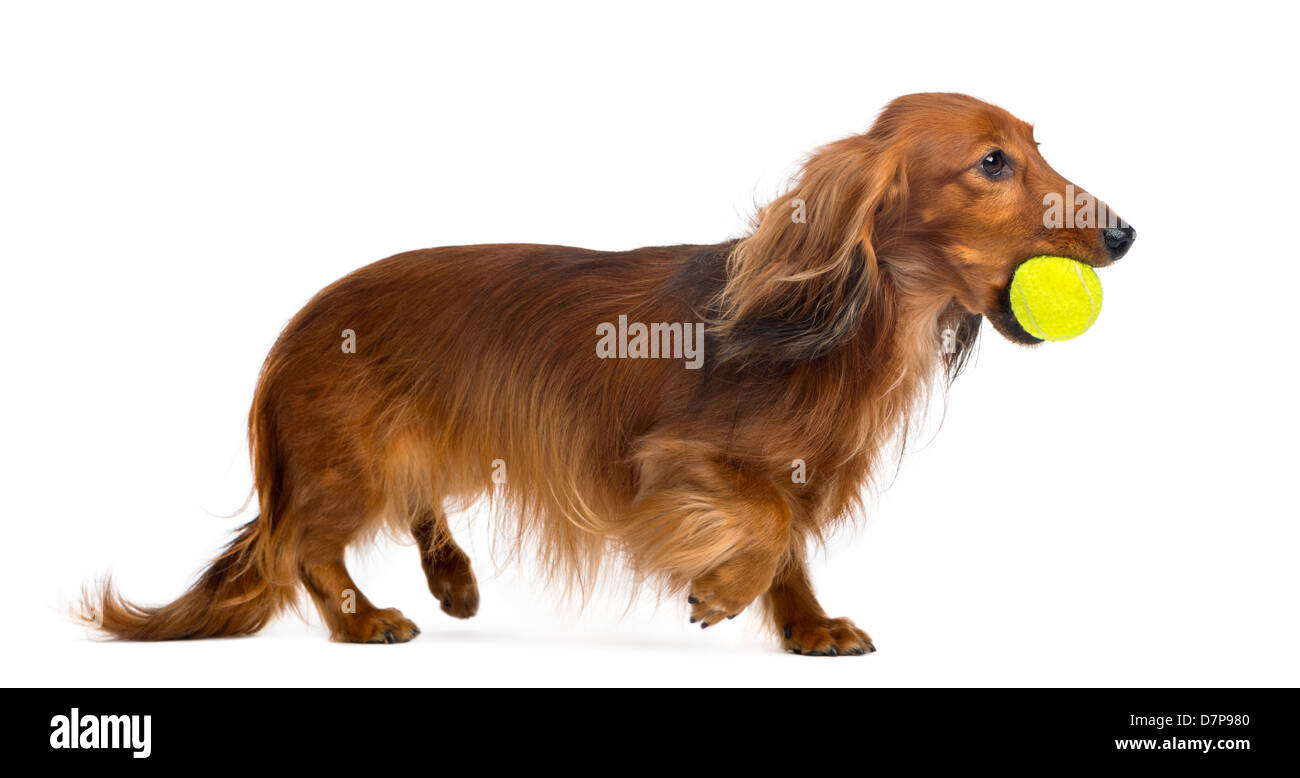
{"x":351,"y":617}
{"x":325,"y":524}
{"x":447,"y":567}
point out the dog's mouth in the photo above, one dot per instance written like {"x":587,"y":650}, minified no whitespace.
{"x":1005,"y":322}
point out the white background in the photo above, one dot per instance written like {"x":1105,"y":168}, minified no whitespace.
{"x":176,"y":183}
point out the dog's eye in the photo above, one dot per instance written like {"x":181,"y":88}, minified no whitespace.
{"x":994,"y":163}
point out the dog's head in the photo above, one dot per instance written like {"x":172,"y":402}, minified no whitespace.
{"x":979,"y":191}
{"x":944,"y":197}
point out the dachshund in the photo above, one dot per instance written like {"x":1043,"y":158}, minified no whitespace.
{"x":531,"y":375}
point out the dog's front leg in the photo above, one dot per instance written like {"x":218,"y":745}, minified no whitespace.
{"x":714,"y":529}
{"x":803,"y":625}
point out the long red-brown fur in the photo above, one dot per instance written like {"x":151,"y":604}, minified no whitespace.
{"x":474,"y":361}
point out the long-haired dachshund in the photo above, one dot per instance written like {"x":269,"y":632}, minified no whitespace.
{"x":702,"y":413}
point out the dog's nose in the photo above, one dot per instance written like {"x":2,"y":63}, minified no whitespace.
{"x":1118,"y":240}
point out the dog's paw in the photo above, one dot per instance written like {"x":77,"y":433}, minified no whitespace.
{"x":459,"y":600}
{"x":387,"y":625}
{"x":452,"y":582}
{"x":729,"y":588}
{"x":709,"y":605}
{"x":826,"y":637}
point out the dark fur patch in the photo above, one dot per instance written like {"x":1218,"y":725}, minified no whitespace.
{"x":967,"y":338}
{"x":767,"y":340}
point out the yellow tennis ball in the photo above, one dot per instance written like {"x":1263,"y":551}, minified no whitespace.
{"x":1055,"y":298}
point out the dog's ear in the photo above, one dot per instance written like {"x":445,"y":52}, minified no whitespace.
{"x":799,"y":285}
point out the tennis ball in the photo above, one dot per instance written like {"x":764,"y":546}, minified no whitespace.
{"x":1055,"y":298}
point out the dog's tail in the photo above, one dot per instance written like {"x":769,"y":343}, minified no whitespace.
{"x":234,"y":596}
{"x":251,"y":581}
